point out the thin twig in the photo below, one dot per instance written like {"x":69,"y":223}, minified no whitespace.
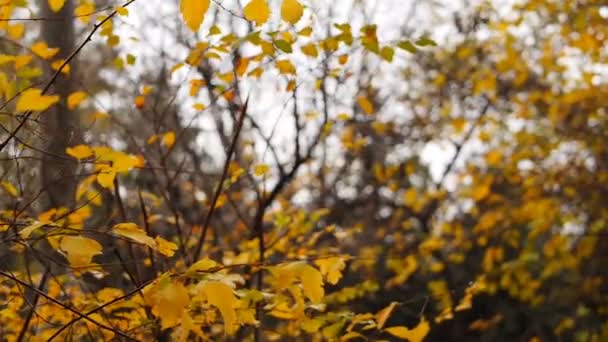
{"x":46,"y":88}
{"x":218,"y":190}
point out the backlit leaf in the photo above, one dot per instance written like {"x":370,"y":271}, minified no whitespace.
{"x":135,"y":233}
{"x":76,"y":98}
{"x":43,"y":51}
{"x":413,"y":335}
{"x":33,"y":100}
{"x":169,"y":139}
{"x":366,"y":105}
{"x":80,"y":250}
{"x":56,"y":5}
{"x":291,"y":11}
{"x":164,"y":247}
{"x":312,"y":283}
{"x":80,"y":152}
{"x":193,"y":12}
{"x":331,"y":268}
{"x":258,"y":11}
{"x":222,"y":297}
{"x":168,"y":300}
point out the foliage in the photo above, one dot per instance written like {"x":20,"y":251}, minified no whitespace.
{"x":266,"y":177}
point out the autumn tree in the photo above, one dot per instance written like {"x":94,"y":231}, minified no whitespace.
{"x":270,"y":170}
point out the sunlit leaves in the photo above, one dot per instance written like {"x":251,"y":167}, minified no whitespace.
{"x":285,"y":67}
{"x":193,"y":12}
{"x":261,"y":169}
{"x":43,"y":50}
{"x":33,"y":100}
{"x":168,"y":300}
{"x":133,"y":232}
{"x":257,"y":11}
{"x":84,"y":11}
{"x":76,"y":98}
{"x":168,"y":139}
{"x":56,"y":5}
{"x":416,"y":334}
{"x":222,"y":297}
{"x":80,"y":152}
{"x":291,"y":11}
{"x":312,"y":283}
{"x":331,"y":268}
{"x":80,"y":250}
{"x":383,"y":315}
{"x":311,"y":279}
{"x":366,"y":105}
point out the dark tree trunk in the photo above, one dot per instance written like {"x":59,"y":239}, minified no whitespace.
{"x":61,"y":126}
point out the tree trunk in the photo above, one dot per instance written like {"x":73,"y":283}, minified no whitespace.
{"x":61,"y":126}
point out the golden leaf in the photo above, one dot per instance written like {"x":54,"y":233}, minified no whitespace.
{"x":76,"y":98}
{"x":43,"y":51}
{"x":193,"y":12}
{"x":258,"y":11}
{"x":134,"y":232}
{"x":168,"y":139}
{"x":291,"y":11}
{"x":221,"y":296}
{"x":169,"y":300}
{"x":79,"y":152}
{"x":366,"y":105}
{"x":80,"y":250}
{"x":384,"y":314}
{"x":56,"y":5}
{"x":331,"y":268}
{"x":413,"y":335}
{"x":33,"y":100}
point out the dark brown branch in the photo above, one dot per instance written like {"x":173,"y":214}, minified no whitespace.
{"x":67,"y":307}
{"x":218,"y":190}
{"x":47,"y":87}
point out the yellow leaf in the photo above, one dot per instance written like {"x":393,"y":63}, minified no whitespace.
{"x":493,"y":158}
{"x":76,"y":98}
{"x":384,"y":314}
{"x":166,"y":248}
{"x":285,"y":67}
{"x":43,"y":51}
{"x":27,"y":231}
{"x":310,"y":50}
{"x":33,"y":100}
{"x":193,"y":12}
{"x":202,"y":265}
{"x":413,"y":335}
{"x":16,"y":31}
{"x":258,"y":11}
{"x":80,"y":152}
{"x":106,"y":176}
{"x":222,"y":297}
{"x":135,"y":233}
{"x":22,"y":60}
{"x":291,"y":11}
{"x":56,"y":5}
{"x":140,"y":101}
{"x":312,"y":283}
{"x":261,"y":169}
{"x":169,"y":300}
{"x":10,"y":188}
{"x":122,"y":11}
{"x":331,"y":268}
{"x":80,"y":250}
{"x":169,"y":139}
{"x":366,"y":105}
{"x":84,"y":11}
{"x":58,"y":63}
